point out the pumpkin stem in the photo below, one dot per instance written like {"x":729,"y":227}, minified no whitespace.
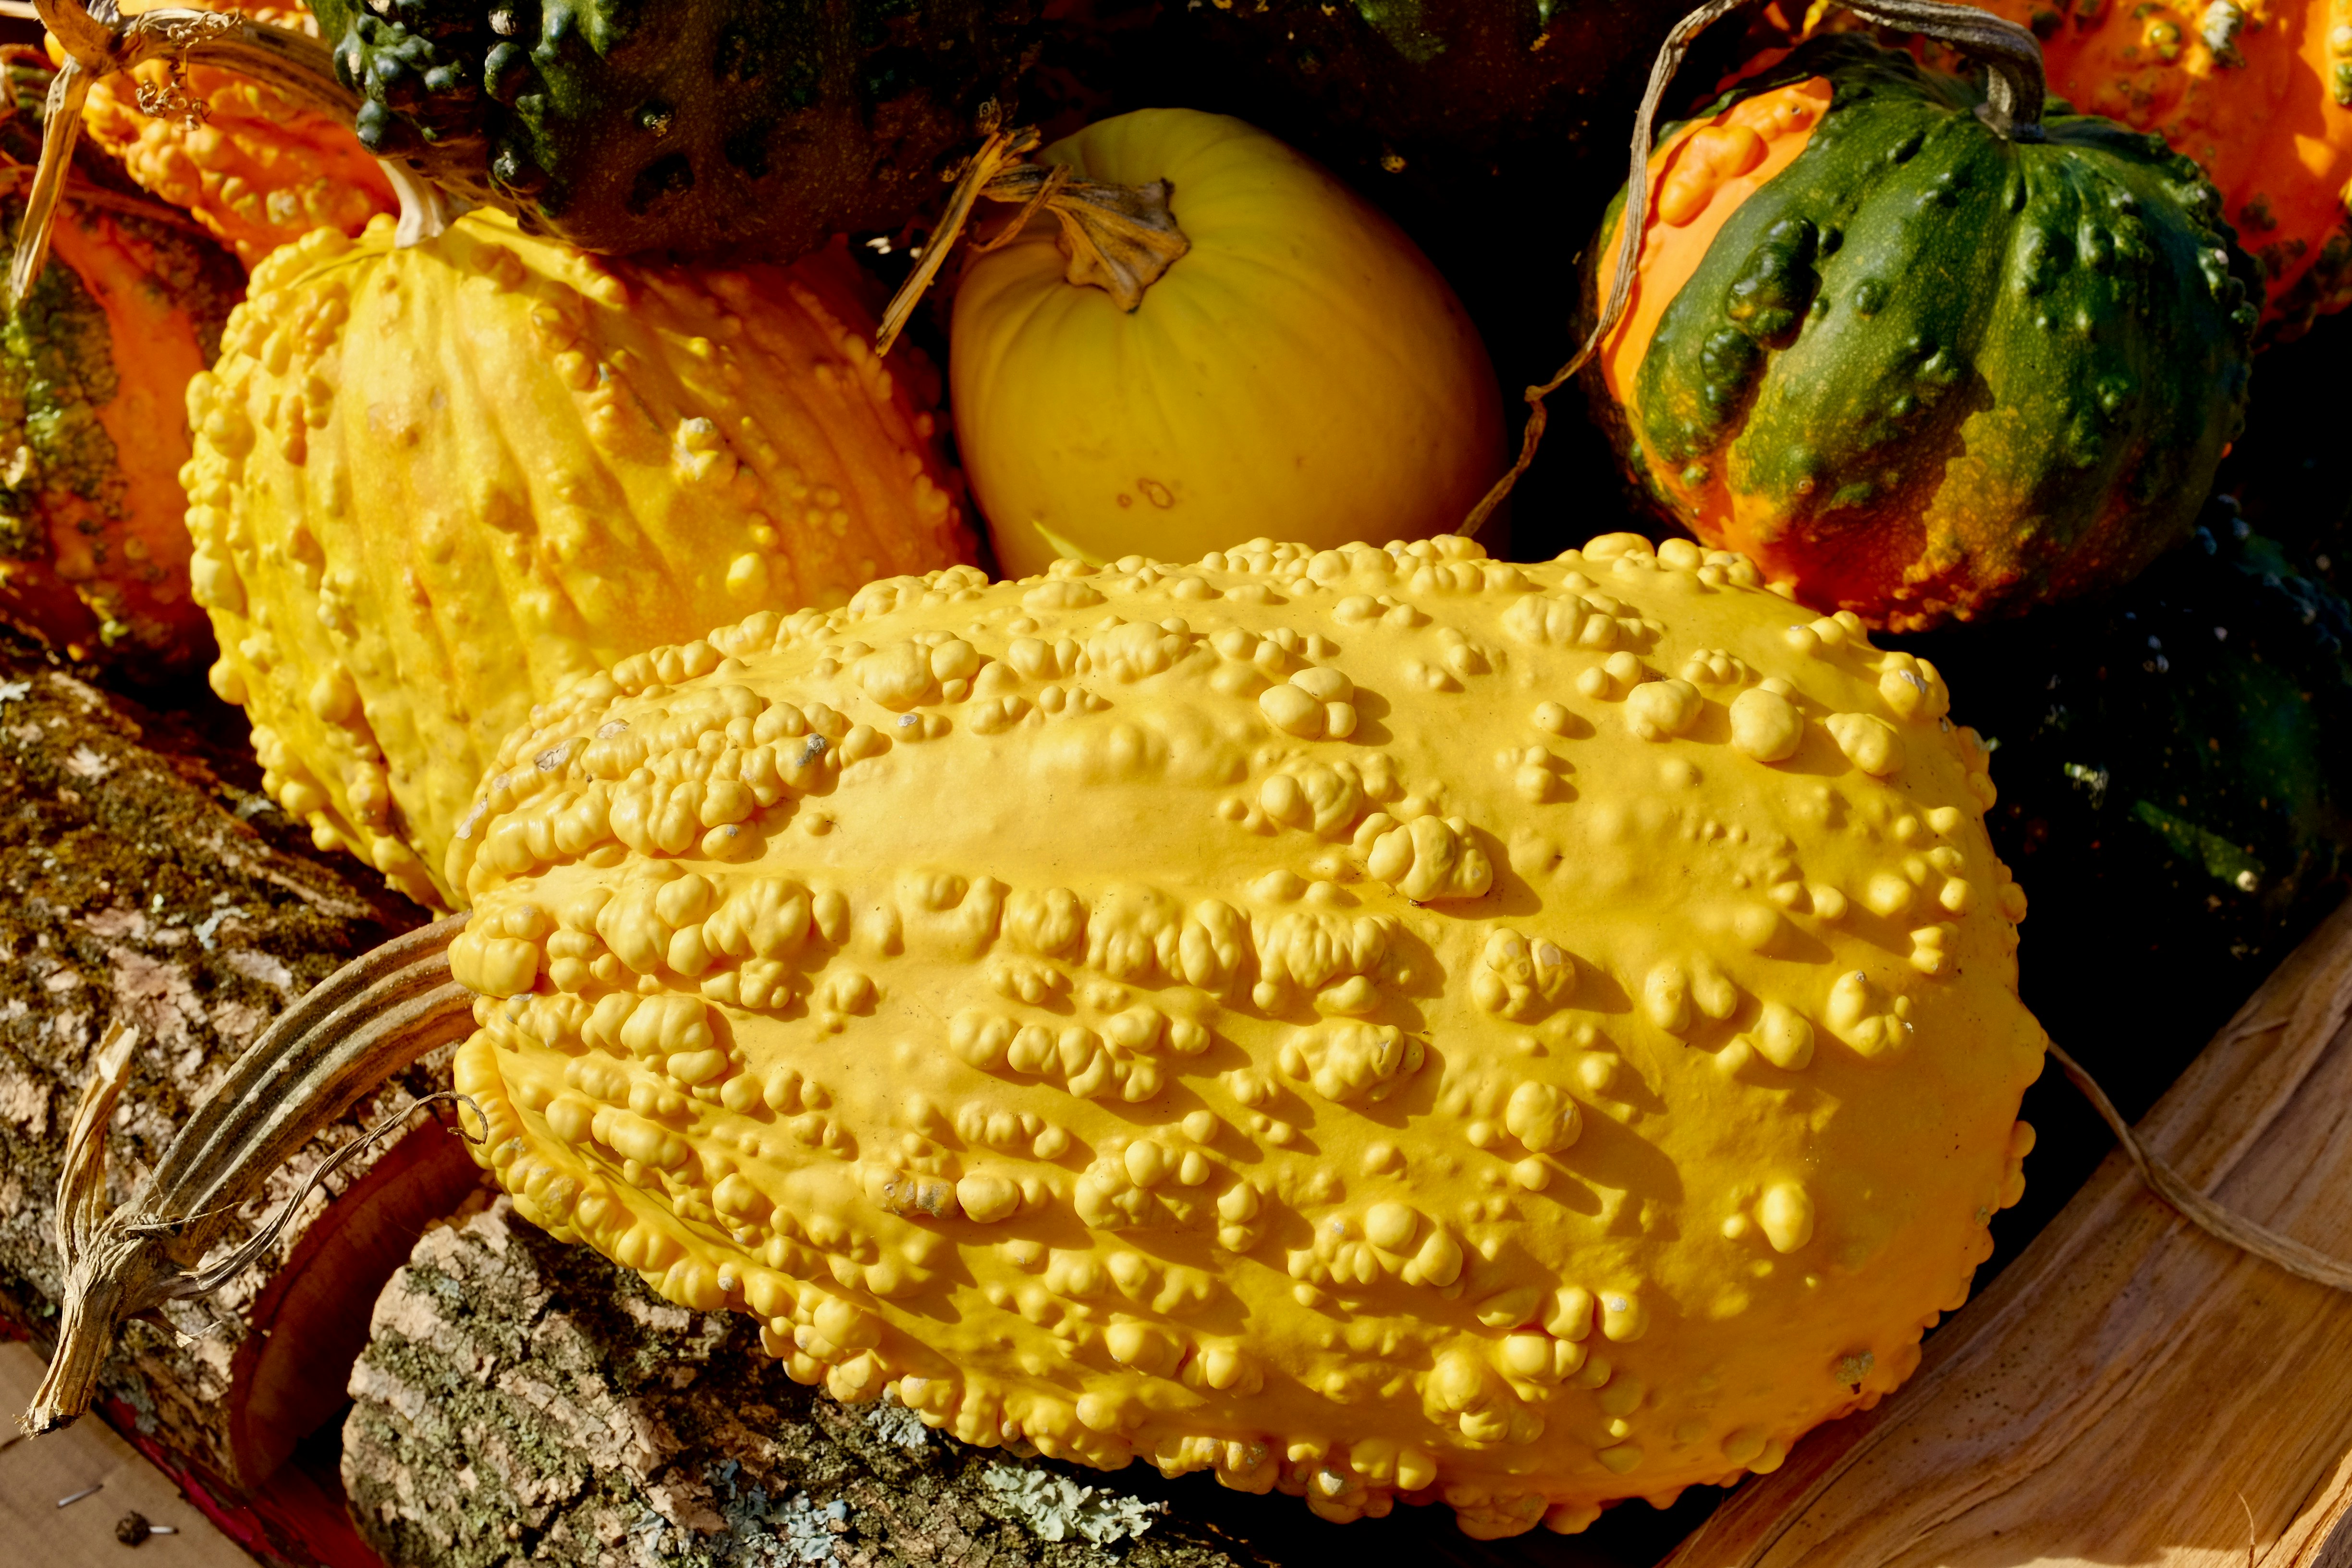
{"x":2015,"y":85}
{"x":2013,"y":108}
{"x":98,"y":42}
{"x":1119,"y":238}
{"x":348,"y":1033}
{"x":426,"y":210}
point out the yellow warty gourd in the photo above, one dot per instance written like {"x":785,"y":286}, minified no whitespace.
{"x":1373,"y":1023}
{"x":430,"y":485}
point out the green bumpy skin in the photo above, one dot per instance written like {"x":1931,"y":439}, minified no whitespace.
{"x":629,"y":125}
{"x":1926,"y":373}
{"x":2183,"y":748}
{"x":1375,"y":1023}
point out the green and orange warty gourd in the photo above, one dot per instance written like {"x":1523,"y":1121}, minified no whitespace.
{"x":2258,"y":91}
{"x":94,"y":366}
{"x":1373,"y":1023}
{"x":1301,"y":370}
{"x":433,"y":483}
{"x":1915,"y":368}
{"x":253,"y":167}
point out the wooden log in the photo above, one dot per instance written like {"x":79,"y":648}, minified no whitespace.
{"x":2130,"y":1391}
{"x":523,"y":1399}
{"x":144,"y":878}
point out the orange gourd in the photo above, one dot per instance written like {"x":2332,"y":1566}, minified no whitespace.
{"x":254,"y":168}
{"x":94,"y":366}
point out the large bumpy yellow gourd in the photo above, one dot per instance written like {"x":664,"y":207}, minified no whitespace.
{"x":1373,"y":1023}
{"x":432,"y":484}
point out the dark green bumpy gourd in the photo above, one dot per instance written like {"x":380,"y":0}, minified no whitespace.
{"x":2176,"y":760}
{"x":626,"y":125}
{"x":1928,"y":371}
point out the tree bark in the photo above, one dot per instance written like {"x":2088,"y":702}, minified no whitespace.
{"x":143,"y":878}
{"x":522,"y":1399}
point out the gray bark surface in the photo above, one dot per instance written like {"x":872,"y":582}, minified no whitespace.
{"x":143,"y":878}
{"x":523,"y":1400}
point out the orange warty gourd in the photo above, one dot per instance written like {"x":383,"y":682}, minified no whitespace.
{"x":93,"y":370}
{"x":2258,"y":91}
{"x":255,"y":168}
{"x":432,"y":484}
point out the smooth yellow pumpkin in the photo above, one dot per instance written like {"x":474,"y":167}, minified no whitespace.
{"x":1375,"y":1023}
{"x":430,"y":485}
{"x":1302,"y":372}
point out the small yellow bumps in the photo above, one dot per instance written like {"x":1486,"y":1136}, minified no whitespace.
{"x":1137,"y":1018}
{"x":432,"y":485}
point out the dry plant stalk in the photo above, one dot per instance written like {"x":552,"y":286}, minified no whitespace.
{"x":1119,"y":238}
{"x":363,"y":1023}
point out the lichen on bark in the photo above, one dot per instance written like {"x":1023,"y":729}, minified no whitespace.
{"x":523,"y":1400}
{"x":143,"y":877}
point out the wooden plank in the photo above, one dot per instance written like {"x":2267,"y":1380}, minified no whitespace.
{"x":2130,"y":1391}
{"x":34,"y":1475}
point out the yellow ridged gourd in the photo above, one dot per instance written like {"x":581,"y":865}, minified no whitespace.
{"x":256,"y":169}
{"x":1374,"y":1023}
{"x":432,"y":484}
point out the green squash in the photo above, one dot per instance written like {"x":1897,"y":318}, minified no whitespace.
{"x":2176,"y":767}
{"x":627,"y":125}
{"x":1924,"y":370}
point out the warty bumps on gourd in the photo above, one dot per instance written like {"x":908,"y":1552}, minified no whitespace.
{"x":1370,"y":1022}
{"x":432,"y":484}
{"x":252,"y":167}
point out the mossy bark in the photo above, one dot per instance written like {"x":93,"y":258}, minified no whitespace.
{"x":143,"y":877}
{"x":523,"y":1399}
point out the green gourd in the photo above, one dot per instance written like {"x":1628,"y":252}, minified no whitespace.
{"x":626,"y":125}
{"x":1926,"y":369}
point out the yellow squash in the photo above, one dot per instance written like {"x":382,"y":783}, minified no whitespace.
{"x":432,"y":484}
{"x":1301,"y":370}
{"x":1374,"y":1023}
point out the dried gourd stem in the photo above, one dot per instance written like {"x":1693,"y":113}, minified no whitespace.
{"x":2013,"y":108}
{"x":1011,"y":229}
{"x":426,"y":210}
{"x":1000,"y":148}
{"x":336,"y":1044}
{"x":99,"y":42}
{"x":1119,"y":238}
{"x":2222,"y":1224}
